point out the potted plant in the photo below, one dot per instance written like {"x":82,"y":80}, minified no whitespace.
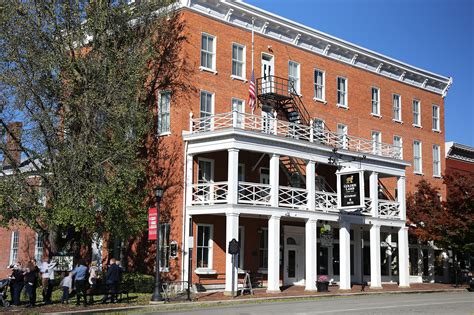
{"x":323,"y":284}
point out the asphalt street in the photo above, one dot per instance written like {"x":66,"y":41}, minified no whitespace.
{"x":426,"y":303}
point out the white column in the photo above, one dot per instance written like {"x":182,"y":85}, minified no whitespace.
{"x":188,"y":203}
{"x":189,"y":179}
{"x":403,"y":271}
{"x":311,"y":254}
{"x":357,"y":254}
{"x":232,"y":231}
{"x":375,"y":270}
{"x":374,"y":193}
{"x":310,"y":184}
{"x":233,"y":176}
{"x":401,"y":191}
{"x":273,"y":254}
{"x":274,"y":179}
{"x":345,"y":256}
{"x":186,"y":247}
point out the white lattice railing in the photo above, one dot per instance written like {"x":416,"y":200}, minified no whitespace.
{"x":368,"y":207}
{"x":210,"y":193}
{"x":291,"y":197}
{"x":389,"y":209}
{"x":326,"y":201}
{"x":254,"y":193}
{"x":286,"y":129}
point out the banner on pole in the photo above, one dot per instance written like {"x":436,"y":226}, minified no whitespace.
{"x":152,"y":224}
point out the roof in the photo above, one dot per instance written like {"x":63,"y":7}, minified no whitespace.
{"x":458,"y":151}
{"x":241,"y":14}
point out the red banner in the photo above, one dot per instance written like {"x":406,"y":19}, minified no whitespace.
{"x":152,"y":223}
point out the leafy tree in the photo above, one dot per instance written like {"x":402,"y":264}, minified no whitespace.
{"x":82,"y":76}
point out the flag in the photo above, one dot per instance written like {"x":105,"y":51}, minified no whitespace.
{"x":252,"y":94}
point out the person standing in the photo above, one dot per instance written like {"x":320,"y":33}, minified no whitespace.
{"x":31,"y":280}
{"x":93,"y":274}
{"x":47,"y":279}
{"x":66,"y":285}
{"x":17,"y":283}
{"x":112,"y":282}
{"x":80,"y":281}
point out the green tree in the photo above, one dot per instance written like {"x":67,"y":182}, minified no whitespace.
{"x":82,"y":77}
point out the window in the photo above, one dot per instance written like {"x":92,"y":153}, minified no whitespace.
{"x":14,"y":247}
{"x":416,"y":113}
{"x":397,"y":107}
{"x":263,"y":249}
{"x":342,"y":133}
{"x":436,"y":161}
{"x":436,"y":124}
{"x":206,"y":109}
{"x":376,"y":101}
{"x":164,"y":113}
{"x":164,"y":246}
{"x":398,"y":142}
{"x":376,"y":142}
{"x":238,"y":61}
{"x":204,"y":246}
{"x":417,"y":167}
{"x":205,"y":176}
{"x":319,"y":81}
{"x":241,"y":172}
{"x":238,"y":105}
{"x":342,"y":92}
{"x":242,"y":246}
{"x":38,"y":248}
{"x":208,"y":55}
{"x":294,"y":75}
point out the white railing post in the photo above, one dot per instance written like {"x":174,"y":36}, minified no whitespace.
{"x":275,"y":123}
{"x":191,"y":122}
{"x":374,"y":193}
{"x":311,"y":131}
{"x":234,"y":118}
{"x":401,"y":190}
{"x":274,"y":179}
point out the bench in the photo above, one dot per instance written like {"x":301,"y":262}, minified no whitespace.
{"x":100,"y":289}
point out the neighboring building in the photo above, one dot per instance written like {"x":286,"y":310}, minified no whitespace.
{"x":267,"y":176}
{"x":459,"y":158}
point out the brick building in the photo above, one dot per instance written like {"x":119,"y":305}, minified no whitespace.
{"x":268,"y":176}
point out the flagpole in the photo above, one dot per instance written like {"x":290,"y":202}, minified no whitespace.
{"x":253,"y":22}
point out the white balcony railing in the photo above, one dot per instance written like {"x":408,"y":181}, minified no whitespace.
{"x":288,"y":197}
{"x":295,"y":131}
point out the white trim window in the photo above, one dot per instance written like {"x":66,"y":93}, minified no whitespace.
{"x":242,"y":246}
{"x":164,"y":247}
{"x":164,"y":101}
{"x":376,"y":142}
{"x":398,"y":142}
{"x":375,"y":101}
{"x":263,"y":249}
{"x":436,"y":161}
{"x":204,"y":246}
{"x":397,"y":107}
{"x":294,"y":75}
{"x":416,"y":113}
{"x":238,"y":61}
{"x":342,"y":132}
{"x":319,"y":82}
{"x":14,"y":246}
{"x":436,"y":124}
{"x":206,"y":178}
{"x":239,"y":106}
{"x":417,"y":159}
{"x":38,"y":247}
{"x":206,"y":109}
{"x":341,"y":92}
{"x":208,"y":52}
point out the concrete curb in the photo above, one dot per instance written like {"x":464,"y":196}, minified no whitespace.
{"x":177,"y":306}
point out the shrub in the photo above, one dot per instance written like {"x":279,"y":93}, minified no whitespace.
{"x":139,"y":283}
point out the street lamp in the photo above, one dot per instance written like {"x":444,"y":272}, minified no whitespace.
{"x":156,"y":293}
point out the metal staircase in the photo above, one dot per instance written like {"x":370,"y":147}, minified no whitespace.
{"x":293,"y":169}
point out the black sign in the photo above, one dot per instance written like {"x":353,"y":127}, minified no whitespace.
{"x":350,"y":190}
{"x":234,"y":247}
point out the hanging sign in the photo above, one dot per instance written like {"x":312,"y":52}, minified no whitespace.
{"x":350,"y":189}
{"x":152,"y":223}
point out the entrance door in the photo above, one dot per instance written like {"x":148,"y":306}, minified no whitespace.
{"x":268,"y":70}
{"x":294,"y":256}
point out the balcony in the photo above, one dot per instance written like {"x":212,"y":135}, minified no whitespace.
{"x":257,"y":194}
{"x":298,"y":132}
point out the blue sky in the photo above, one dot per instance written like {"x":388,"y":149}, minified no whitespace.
{"x":435,"y":35}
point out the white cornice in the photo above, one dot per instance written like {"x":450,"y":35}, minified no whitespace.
{"x":298,"y":35}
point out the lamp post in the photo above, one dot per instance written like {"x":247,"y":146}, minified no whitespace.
{"x":156,"y":293}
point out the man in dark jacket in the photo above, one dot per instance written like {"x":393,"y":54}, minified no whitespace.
{"x":31,"y":280}
{"x":17,"y":283}
{"x":112,"y":280}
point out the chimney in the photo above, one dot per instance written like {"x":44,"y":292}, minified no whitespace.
{"x":12,"y":154}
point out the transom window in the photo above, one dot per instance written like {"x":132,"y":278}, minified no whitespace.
{"x":294,"y":75}
{"x":436,"y":161}
{"x":342,"y":91}
{"x":204,"y":246}
{"x":436,"y":124}
{"x":376,"y":101}
{"x":319,"y":81}
{"x":208,"y":51}
{"x":397,"y":107}
{"x":164,"y":112}
{"x":238,"y":60}
{"x":417,"y":163}
{"x":416,"y":113}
